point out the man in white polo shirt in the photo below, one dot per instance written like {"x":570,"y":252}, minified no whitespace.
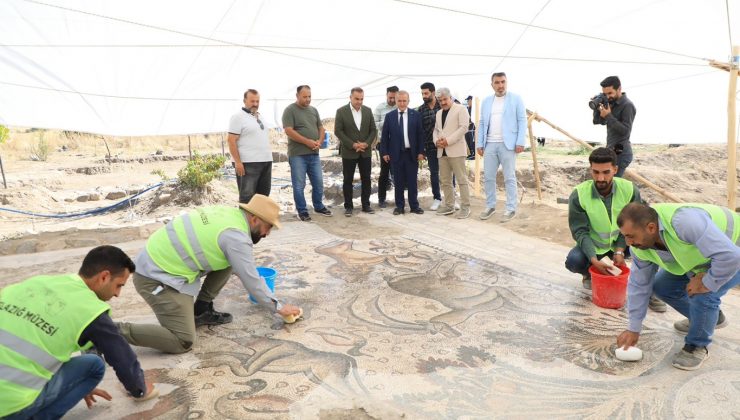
{"x":250,"y":149}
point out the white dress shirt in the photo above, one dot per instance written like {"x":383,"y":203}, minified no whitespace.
{"x":357,"y":115}
{"x":405,"y":127}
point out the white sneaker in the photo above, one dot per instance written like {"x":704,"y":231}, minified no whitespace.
{"x":435,"y":205}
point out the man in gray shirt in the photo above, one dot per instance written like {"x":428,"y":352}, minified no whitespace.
{"x":250,"y":149}
{"x":617,"y":114}
{"x":305,"y":133}
{"x":209,"y":243}
{"x":689,"y":256}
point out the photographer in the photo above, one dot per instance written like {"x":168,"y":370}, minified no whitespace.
{"x":613,"y":109}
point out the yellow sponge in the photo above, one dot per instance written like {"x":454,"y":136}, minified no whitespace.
{"x":290,"y":319}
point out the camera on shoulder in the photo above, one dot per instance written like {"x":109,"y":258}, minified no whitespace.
{"x":597,"y":100}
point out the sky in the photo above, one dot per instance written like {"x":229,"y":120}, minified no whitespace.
{"x":179,"y":67}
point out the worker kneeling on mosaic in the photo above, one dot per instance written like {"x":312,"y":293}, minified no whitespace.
{"x":212,"y":242}
{"x":45,"y":319}
{"x":689,"y":256}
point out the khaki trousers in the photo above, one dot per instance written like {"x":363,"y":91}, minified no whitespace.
{"x":447,"y":167}
{"x":174,"y":310}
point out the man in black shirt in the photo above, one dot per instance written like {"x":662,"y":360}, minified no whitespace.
{"x":618,"y":115}
{"x":428,"y":118}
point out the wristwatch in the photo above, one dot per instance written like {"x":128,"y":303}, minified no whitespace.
{"x":619,"y":253}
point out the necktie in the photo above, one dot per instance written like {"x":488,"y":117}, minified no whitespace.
{"x":403,"y":134}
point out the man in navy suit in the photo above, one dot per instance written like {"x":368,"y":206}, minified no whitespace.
{"x":402,"y":145}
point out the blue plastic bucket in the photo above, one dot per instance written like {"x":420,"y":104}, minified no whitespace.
{"x":325,"y":143}
{"x":269,"y":275}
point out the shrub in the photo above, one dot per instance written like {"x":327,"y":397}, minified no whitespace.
{"x":201,"y":170}
{"x":41,"y":150}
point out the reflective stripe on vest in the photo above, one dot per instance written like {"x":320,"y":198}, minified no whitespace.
{"x":603,"y":229}
{"x":30,"y":351}
{"x":200,"y":256}
{"x":22,"y":378}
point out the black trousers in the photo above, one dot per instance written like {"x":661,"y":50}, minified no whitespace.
{"x":348,"y":169}
{"x":257,"y":179}
{"x":384,"y":179}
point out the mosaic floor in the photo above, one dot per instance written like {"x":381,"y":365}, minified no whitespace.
{"x":417,"y":326}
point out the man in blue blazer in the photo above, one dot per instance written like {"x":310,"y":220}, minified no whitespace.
{"x":402,"y":145}
{"x":503,"y":123}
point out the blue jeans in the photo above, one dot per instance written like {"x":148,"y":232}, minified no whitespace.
{"x":299,"y":167}
{"x":623,"y":161}
{"x":433,"y":162}
{"x":701,"y":310}
{"x":75,"y":379}
{"x":497,"y":154}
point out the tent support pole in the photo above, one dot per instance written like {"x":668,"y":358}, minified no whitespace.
{"x":731,"y":130}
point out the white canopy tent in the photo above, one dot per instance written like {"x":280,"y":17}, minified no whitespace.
{"x":176,"y":67}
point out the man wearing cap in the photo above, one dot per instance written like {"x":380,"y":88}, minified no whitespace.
{"x":211,"y":242}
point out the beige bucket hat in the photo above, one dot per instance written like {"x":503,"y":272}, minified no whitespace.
{"x":264,"y":208}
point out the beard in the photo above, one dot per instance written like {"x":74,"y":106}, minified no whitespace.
{"x":603,"y":187}
{"x":427,"y":100}
{"x":255,"y":237}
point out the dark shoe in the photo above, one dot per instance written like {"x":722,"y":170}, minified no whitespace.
{"x":304,"y":217}
{"x":657,"y":305}
{"x":417,"y":210}
{"x":397,"y":211}
{"x":382,"y":204}
{"x":690,"y":357}
{"x":212,"y":317}
{"x":368,"y":209}
{"x":348,"y":212}
{"x":586,"y":282}
{"x":325,"y":211}
{"x":683,"y":325}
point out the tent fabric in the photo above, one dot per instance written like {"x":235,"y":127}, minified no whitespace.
{"x":177,"y":67}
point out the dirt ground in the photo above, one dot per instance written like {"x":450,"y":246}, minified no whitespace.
{"x":77,"y":176}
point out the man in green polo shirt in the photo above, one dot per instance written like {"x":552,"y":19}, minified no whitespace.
{"x":593,"y":208}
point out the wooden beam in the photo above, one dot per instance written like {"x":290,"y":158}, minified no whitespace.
{"x":533,"y":145}
{"x":629,"y":173}
{"x":731,"y":131}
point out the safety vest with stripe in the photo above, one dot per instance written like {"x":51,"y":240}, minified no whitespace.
{"x":188,"y":245}
{"x":687,"y":256}
{"x":41,"y":320}
{"x":604,"y":230}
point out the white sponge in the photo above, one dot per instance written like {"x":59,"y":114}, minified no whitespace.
{"x":632,"y":354}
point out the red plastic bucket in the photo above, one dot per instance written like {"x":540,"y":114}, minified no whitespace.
{"x":609,"y":291}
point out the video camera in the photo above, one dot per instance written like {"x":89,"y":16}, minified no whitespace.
{"x":597,"y":101}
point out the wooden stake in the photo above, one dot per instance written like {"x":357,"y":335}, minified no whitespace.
{"x":731,"y":130}
{"x":533,"y":144}
{"x":478,"y":158}
{"x":3,"y":171}
{"x":190,"y":150}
